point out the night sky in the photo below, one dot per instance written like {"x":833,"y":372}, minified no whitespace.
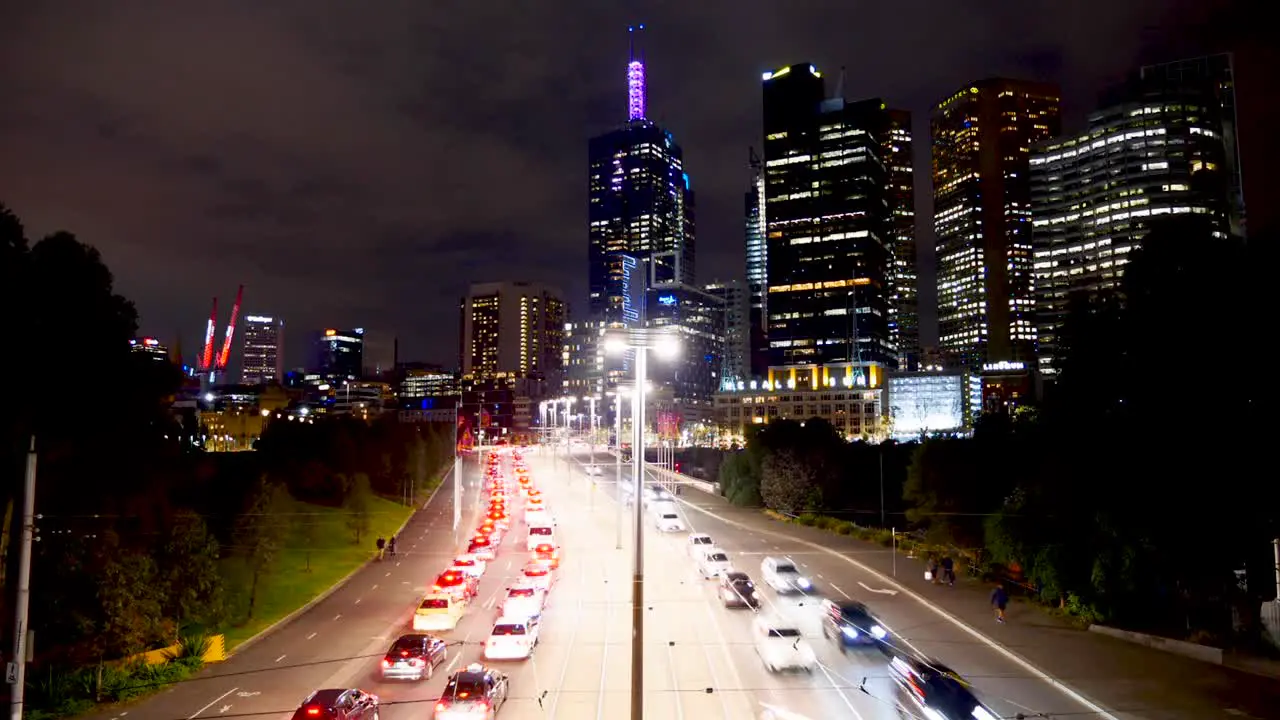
{"x":357,"y":164}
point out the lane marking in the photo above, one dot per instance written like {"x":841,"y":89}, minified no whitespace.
{"x":280,"y":658}
{"x":375,"y":586}
{"x":842,"y":592}
{"x":389,"y":573}
{"x":885,"y":591}
{"x":223,"y":709}
{"x":312,"y":635}
{"x":239,"y":694}
{"x":337,"y":617}
{"x":358,"y":600}
{"x":940,"y":612}
{"x":211,"y":703}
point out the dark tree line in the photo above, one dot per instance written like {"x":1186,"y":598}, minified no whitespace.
{"x":1132,"y":495}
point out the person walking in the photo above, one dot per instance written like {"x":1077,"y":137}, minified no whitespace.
{"x":999,"y":601}
{"x":381,"y":544}
{"x":931,"y":570}
{"x":391,"y":546}
{"x":948,"y":570}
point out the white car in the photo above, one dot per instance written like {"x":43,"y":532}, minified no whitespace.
{"x":512,"y":638}
{"x":523,"y":600}
{"x":669,"y":521}
{"x":698,"y":544}
{"x":540,"y":533}
{"x":781,"y":646}
{"x":471,"y":565}
{"x":783,"y":576}
{"x":713,"y":562}
{"x":536,"y":516}
{"x":539,"y":575}
{"x":594,"y":470}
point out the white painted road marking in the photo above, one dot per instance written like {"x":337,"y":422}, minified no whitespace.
{"x":885,"y":591}
{"x":312,"y":635}
{"x":241,"y":694}
{"x":211,"y":703}
{"x":223,"y":709}
{"x":358,"y":600}
{"x":280,"y":658}
{"x":338,"y":616}
{"x":837,"y":589}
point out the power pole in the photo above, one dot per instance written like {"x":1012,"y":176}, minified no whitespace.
{"x":17,"y":670}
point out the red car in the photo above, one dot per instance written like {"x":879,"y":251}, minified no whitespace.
{"x":458,"y":584}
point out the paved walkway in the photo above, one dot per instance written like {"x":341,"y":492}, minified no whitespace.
{"x":1130,"y":680}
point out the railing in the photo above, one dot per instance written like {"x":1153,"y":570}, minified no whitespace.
{"x":665,"y":475}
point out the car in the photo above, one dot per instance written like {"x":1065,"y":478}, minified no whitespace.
{"x":697,"y":543}
{"x":523,"y":600}
{"x":656,"y":494}
{"x":470,"y":565}
{"x":783,"y":576}
{"x":414,"y":657}
{"x":335,"y":704}
{"x":713,"y":563}
{"x":539,"y":534}
{"x":473,"y":693}
{"x":851,"y":624}
{"x":737,"y":590}
{"x":438,"y":611}
{"x":669,"y":521}
{"x":536,"y":516}
{"x":512,"y":638}
{"x":538,"y":575}
{"x":548,"y":554}
{"x":781,"y":646}
{"x":482,"y":548}
{"x":937,"y":690}
{"x":594,"y":470}
{"x":456,"y":583}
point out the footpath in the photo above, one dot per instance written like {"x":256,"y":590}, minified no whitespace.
{"x":1131,"y":681}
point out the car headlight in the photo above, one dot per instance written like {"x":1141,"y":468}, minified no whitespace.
{"x":850,"y":632}
{"x":755,"y":595}
{"x":878,"y":632}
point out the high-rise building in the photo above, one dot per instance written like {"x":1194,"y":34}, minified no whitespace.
{"x":585,"y":367}
{"x":757,"y":269}
{"x":828,"y":215}
{"x":640,"y":203}
{"x":340,"y":354}
{"x":513,"y":329}
{"x":982,"y":138}
{"x":904,"y":310}
{"x":735,"y":364}
{"x":1215,"y":74}
{"x":263,"y":361}
{"x":693,"y":376}
{"x":1157,"y":150}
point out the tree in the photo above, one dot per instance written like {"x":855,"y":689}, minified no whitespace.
{"x":789,"y":484}
{"x":740,"y":478}
{"x":188,"y":565}
{"x":358,"y":505}
{"x":130,"y":597}
{"x":260,"y":532}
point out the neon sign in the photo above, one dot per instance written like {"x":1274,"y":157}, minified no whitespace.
{"x":668,"y":300}
{"x":629,"y":312}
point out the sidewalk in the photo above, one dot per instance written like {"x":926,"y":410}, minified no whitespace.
{"x":1133,"y":681}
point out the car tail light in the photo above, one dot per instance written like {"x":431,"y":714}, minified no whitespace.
{"x":386,"y":663}
{"x":441,"y":707}
{"x":313,"y":711}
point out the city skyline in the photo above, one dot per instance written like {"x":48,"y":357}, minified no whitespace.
{"x":248,"y":224}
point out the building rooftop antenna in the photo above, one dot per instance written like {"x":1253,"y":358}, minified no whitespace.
{"x":635,"y":77}
{"x":840,"y":85}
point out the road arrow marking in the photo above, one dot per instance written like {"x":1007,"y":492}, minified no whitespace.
{"x":886,"y":591}
{"x":223,"y":709}
{"x":249,"y":694}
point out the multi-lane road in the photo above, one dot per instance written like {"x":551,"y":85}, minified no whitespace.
{"x":700,"y":661}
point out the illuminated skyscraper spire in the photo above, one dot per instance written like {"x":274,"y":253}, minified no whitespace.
{"x":635,"y":80}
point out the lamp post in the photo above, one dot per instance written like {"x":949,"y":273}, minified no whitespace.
{"x":457,"y":468}
{"x":592,"y":425}
{"x":641,"y":340}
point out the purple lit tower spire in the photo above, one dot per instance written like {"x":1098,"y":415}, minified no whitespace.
{"x":635,"y":80}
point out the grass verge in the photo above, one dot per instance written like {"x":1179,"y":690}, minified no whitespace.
{"x":319,"y":550}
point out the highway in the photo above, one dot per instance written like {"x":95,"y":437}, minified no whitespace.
{"x":701,"y":662}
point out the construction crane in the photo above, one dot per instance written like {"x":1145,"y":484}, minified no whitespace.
{"x":210,"y":363}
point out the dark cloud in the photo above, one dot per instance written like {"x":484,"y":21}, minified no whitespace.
{"x":357,"y":164}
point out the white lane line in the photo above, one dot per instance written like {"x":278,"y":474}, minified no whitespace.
{"x":389,"y":572}
{"x":280,"y":658}
{"x":836,"y":686}
{"x":358,"y":600}
{"x":723,"y":642}
{"x":675,"y":684}
{"x":312,"y":635}
{"x":337,"y":617}
{"x":1008,"y":654}
{"x":837,"y":589}
{"x":211,"y":703}
{"x":375,"y":586}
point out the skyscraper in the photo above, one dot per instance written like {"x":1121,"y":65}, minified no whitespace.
{"x":982,"y":138}
{"x":640,"y":203}
{"x":828,"y":221}
{"x":341,"y":354}
{"x":757,"y":270}
{"x":904,"y":310}
{"x":735,"y":366}
{"x":1215,"y":74}
{"x":515,"y":329}
{"x":263,"y":361}
{"x":1155,"y":151}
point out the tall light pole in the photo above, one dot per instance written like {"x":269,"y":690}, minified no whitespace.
{"x":641,"y":340}
{"x":592,"y":438}
{"x":457,"y":468}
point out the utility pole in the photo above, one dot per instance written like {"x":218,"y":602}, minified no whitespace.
{"x":16,"y":673}
{"x":880,"y":449}
{"x":617,"y":479}
{"x":637,"y":580}
{"x":457,"y":468}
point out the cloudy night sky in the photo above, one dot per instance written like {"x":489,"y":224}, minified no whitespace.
{"x":357,"y":164}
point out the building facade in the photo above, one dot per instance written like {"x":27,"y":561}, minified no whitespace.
{"x":736,"y":330}
{"x":640,"y":202}
{"x":263,"y":354}
{"x":828,"y":224}
{"x":341,"y":354}
{"x":757,"y":267}
{"x":423,"y":380}
{"x":1157,"y":152}
{"x":904,"y":300}
{"x":513,"y":328}
{"x":856,"y":413}
{"x":982,"y":138}
{"x":693,"y":376}
{"x":151,"y":348}
{"x":924,"y":403}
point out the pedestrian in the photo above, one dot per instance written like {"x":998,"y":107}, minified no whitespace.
{"x":381,"y":545}
{"x":391,"y":546}
{"x":948,"y":570}
{"x":931,"y":570}
{"x":999,"y":601}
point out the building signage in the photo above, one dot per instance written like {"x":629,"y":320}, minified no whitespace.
{"x":258,"y":319}
{"x":668,"y":300}
{"x":629,"y":312}
{"x":1003,"y":365}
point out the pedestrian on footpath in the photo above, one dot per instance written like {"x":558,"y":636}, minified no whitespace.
{"x":931,"y":570}
{"x":999,"y":601}
{"x":381,"y":545}
{"x":948,"y":570}
{"x":391,"y":546}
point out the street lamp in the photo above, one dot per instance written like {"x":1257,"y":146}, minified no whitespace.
{"x":457,"y":468}
{"x":665,"y":343}
{"x":592,"y":426}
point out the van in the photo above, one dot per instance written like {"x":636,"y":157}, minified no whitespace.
{"x":539,"y":534}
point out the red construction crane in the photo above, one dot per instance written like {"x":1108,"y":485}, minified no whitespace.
{"x":231,"y":331}
{"x":206,"y":357}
